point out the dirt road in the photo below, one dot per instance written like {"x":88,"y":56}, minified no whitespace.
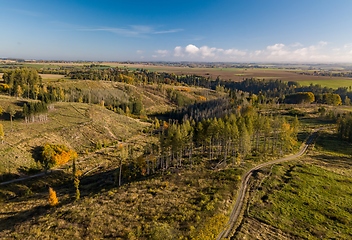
{"x":236,"y":211}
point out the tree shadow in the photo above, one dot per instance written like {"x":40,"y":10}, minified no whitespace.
{"x":331,"y":143}
{"x":9,"y":223}
{"x":20,"y":103}
{"x":5,"y":116}
{"x":8,"y":176}
{"x":62,"y":183}
{"x":33,"y":214}
{"x":334,"y":161}
{"x":37,"y":153}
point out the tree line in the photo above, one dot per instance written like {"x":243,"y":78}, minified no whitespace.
{"x":227,"y":140}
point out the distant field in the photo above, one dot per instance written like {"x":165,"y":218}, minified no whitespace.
{"x":232,"y":74}
{"x":238,"y":74}
{"x":331,"y":83}
{"x":46,"y":77}
{"x":51,"y":77}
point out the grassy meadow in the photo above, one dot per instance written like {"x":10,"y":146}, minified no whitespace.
{"x":310,"y":198}
{"x":79,"y":126}
{"x":329,"y":83}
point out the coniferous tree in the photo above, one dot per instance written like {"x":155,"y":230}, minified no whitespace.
{"x":244,"y":140}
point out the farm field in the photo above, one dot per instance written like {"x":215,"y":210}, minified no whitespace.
{"x":46,"y":77}
{"x":51,"y":77}
{"x":330,"y":83}
{"x":238,"y":74}
{"x":231,"y":74}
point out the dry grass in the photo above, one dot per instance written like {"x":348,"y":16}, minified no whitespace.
{"x":176,"y":205}
{"x":154,"y":99}
{"x":51,"y":77}
{"x":79,"y":126}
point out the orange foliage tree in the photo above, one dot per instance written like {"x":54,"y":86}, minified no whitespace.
{"x":53,"y":201}
{"x":55,"y":154}
{"x":202,"y":98}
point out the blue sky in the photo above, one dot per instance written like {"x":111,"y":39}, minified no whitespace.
{"x":170,"y":30}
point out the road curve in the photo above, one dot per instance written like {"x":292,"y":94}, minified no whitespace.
{"x":236,"y":211}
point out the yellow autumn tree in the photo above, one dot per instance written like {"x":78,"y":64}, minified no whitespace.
{"x":287,"y":137}
{"x":2,"y":134}
{"x":202,"y":98}
{"x":55,"y":154}
{"x":53,"y":201}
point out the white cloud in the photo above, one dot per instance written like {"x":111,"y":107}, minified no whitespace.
{"x":191,"y":49}
{"x":235,"y":52}
{"x":278,"y":52}
{"x":178,"y":51}
{"x":140,"y":51}
{"x":276,"y":47}
{"x":207,"y":52}
{"x":162,"y":53}
{"x":258,"y":52}
{"x":301,"y":52}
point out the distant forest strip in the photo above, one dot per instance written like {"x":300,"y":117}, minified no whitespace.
{"x":26,"y":82}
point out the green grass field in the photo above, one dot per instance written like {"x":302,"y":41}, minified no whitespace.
{"x":334,"y":83}
{"x":307,"y":201}
{"x":312,"y":198}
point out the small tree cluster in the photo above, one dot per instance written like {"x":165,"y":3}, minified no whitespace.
{"x":300,"y":97}
{"x":22,"y":82}
{"x":35,"y":111}
{"x":54,"y":154}
{"x":344,"y":128}
{"x":329,"y":98}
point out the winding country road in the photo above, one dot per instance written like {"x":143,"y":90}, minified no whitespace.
{"x":236,"y":211}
